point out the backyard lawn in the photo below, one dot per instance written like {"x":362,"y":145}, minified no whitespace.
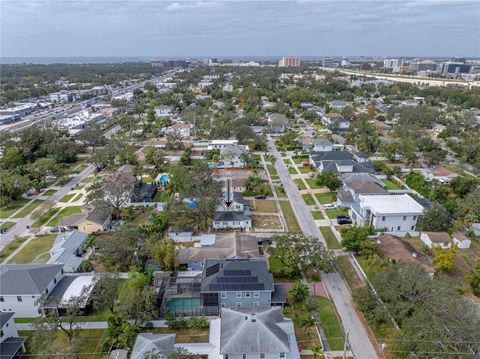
{"x":330,"y":324}
{"x":162,"y":196}
{"x":67,"y":211}
{"x":300,"y":184}
{"x":12,"y":246}
{"x":44,"y":218}
{"x":266,"y":222}
{"x":8,"y":210}
{"x":308,"y":199}
{"x":190,"y":335}
{"x":306,"y":335}
{"x":332,"y":242}
{"x":290,"y":218}
{"x":265,"y":205}
{"x":332,"y":213}
{"x":36,"y":251}
{"x":312,"y":183}
{"x":90,"y":342}
{"x":390,"y":184}
{"x":67,"y":198}
{"x":327,"y":197}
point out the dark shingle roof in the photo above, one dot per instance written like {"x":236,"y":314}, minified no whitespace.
{"x":331,"y":156}
{"x":10,"y":346}
{"x":23,"y":279}
{"x":229,"y":216}
{"x":5,"y":317}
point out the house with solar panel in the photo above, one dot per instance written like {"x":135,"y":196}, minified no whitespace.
{"x":238,"y":283}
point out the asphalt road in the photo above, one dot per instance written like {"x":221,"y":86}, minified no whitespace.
{"x":359,"y":342}
{"x":20,"y":228}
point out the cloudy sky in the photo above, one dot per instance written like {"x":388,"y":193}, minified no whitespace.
{"x":239,"y":28}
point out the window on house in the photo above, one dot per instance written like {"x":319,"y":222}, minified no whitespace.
{"x":54,"y":280}
{"x":19,"y":298}
{"x":262,"y":355}
{"x":256,"y":294}
{"x":223,"y":295}
{"x":244,"y":356}
{"x":239,"y":294}
{"x":383,"y":219}
{"x":223,"y":305}
{"x":398,"y":228}
{"x":404,"y":218}
{"x":247,"y":295}
{"x":414,"y":217}
{"x":282,"y":355}
{"x":239,"y":304}
{"x":412,"y":228}
{"x":2,"y":299}
{"x":256,"y":304}
{"x":225,"y":356}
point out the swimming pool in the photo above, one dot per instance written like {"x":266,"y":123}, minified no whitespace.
{"x":183,"y":304}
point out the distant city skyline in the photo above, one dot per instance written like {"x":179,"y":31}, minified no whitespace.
{"x":143,"y":28}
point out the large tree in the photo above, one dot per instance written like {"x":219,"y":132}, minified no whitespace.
{"x":435,"y":218}
{"x":329,"y":179}
{"x":118,"y":250}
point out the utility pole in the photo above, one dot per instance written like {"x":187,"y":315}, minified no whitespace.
{"x":345,"y":345}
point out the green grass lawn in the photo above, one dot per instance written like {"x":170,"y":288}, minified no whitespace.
{"x":300,"y":159}
{"x":332,"y":213}
{"x":7,"y":225}
{"x":271,"y":170}
{"x":290,"y":218}
{"x":79,"y":169}
{"x":8,"y":210}
{"x":327,"y":197}
{"x":312,"y":183}
{"x":67,"y":197}
{"x":89,"y":342}
{"x":306,"y":335}
{"x":162,"y":196}
{"x":300,"y":184}
{"x":28,"y":209}
{"x":330,"y":324}
{"x":67,"y":211}
{"x":287,"y":161}
{"x":332,"y":242}
{"x":317,"y":215}
{"x":44,"y":218}
{"x":11,"y":247}
{"x":390,"y":184}
{"x":348,"y":272}
{"x":292,"y":171}
{"x":304,"y":170}
{"x":36,"y":251}
{"x":308,"y":199}
{"x":265,"y":205}
{"x":49,"y":192}
{"x":147,"y":179}
{"x":77,"y":197}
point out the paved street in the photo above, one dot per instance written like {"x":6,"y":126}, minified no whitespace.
{"x":336,"y":286}
{"x":21,"y":227}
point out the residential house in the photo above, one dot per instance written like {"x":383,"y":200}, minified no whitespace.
{"x":232,"y":156}
{"x":148,"y":345}
{"x":98,"y":220}
{"x":225,"y":245}
{"x":361,"y":157}
{"x":67,"y":250}
{"x":163,"y":110}
{"x":257,"y":333}
{"x":439,"y":173}
{"x":462,"y":241}
{"x":357,"y":184}
{"x":278,"y":123}
{"x":436,"y":239}
{"x":11,"y":345}
{"x":219,"y":144}
{"x":238,"y":283}
{"x":398,"y":250}
{"x":230,"y":219}
{"x":143,"y":192}
{"x":397,"y":214}
{"x":322,"y":145}
{"x":23,"y":284}
{"x":337,"y":105}
{"x":336,"y":122}
{"x":182,"y":128}
{"x":338,"y":161}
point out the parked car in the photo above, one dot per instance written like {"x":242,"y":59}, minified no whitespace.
{"x":260,"y":196}
{"x":264,"y":240}
{"x":54,"y":230}
{"x":306,"y":164}
{"x":342,"y":216}
{"x":343,"y":221}
{"x":311,"y":174}
{"x":329,"y":206}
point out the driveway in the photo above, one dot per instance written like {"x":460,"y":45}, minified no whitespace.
{"x":357,"y":334}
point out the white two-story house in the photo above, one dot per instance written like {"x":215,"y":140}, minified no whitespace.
{"x":397,"y":214}
{"x":231,"y":156}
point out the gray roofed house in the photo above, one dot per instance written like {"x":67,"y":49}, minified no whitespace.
{"x":27,"y":279}
{"x":256,"y":330}
{"x":11,"y":345}
{"x":356,"y":184}
{"x":278,"y":122}
{"x":5,"y":317}
{"x":158,"y":345}
{"x":67,"y":250}
{"x":231,"y":156}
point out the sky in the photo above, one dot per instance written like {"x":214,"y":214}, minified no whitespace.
{"x":68,"y":28}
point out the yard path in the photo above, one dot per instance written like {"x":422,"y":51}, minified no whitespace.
{"x":20,"y":228}
{"x":337,"y":289}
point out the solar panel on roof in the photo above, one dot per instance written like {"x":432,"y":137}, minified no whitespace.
{"x":222,"y":279}
{"x":212,"y":269}
{"x":237,"y":272}
{"x":239,"y":286}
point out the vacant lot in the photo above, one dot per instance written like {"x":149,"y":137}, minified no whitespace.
{"x":266,"y":222}
{"x":36,"y":251}
{"x":290,"y":218}
{"x":265,"y":205}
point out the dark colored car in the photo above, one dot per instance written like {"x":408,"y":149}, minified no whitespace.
{"x":344,"y":221}
{"x":263,"y":240}
{"x":54,"y":230}
{"x":260,"y":196}
{"x":342,"y":216}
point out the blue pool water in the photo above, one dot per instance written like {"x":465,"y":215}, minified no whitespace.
{"x":180,"y":304}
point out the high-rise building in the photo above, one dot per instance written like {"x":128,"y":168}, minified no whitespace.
{"x":390,"y":63}
{"x":423,"y":66}
{"x":289,"y":61}
{"x":452,"y":68}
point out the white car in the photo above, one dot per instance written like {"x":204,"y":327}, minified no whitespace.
{"x":329,"y":206}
